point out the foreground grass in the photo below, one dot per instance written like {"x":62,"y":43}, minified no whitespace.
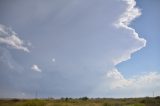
{"x":82,"y":102}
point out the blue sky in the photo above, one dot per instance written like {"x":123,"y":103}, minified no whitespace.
{"x":75,"y":48}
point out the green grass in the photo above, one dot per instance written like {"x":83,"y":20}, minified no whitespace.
{"x":82,"y":102}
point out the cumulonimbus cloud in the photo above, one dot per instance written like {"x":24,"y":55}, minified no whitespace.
{"x":10,"y":38}
{"x":88,"y":42}
{"x":140,"y":84}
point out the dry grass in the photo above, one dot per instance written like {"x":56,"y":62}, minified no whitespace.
{"x":82,"y":102}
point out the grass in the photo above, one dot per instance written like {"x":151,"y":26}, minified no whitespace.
{"x":82,"y":102}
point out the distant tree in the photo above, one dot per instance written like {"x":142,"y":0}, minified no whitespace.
{"x":157,"y":97}
{"x":84,"y":98}
{"x":15,"y":100}
{"x":66,"y":99}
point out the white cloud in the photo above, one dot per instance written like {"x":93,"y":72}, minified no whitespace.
{"x":53,"y":60}
{"x":130,"y":14}
{"x":8,"y":37}
{"x":36,"y":68}
{"x":126,"y":18}
{"x":117,"y":79}
{"x":114,"y":80}
{"x":116,"y":85}
{"x":143,"y":84}
{"x":140,"y":81}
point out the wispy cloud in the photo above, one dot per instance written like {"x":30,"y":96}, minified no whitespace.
{"x":36,"y":68}
{"x":10,"y":38}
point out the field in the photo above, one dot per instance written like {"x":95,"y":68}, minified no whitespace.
{"x":82,"y":102}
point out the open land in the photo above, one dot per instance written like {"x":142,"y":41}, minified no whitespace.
{"x":84,"y":101}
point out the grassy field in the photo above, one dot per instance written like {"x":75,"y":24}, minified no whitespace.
{"x":82,"y":102}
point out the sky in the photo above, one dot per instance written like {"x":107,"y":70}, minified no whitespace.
{"x":76,"y":48}
{"x":148,"y":27}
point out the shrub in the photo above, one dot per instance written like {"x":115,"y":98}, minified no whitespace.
{"x":84,"y":98}
{"x":157,"y":97}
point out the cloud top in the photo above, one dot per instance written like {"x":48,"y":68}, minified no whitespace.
{"x":125,"y":19}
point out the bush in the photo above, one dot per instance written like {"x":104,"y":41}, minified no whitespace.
{"x":157,"y":97}
{"x":15,"y":100}
{"x":84,"y":98}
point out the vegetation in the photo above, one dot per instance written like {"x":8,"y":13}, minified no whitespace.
{"x":84,"y":101}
